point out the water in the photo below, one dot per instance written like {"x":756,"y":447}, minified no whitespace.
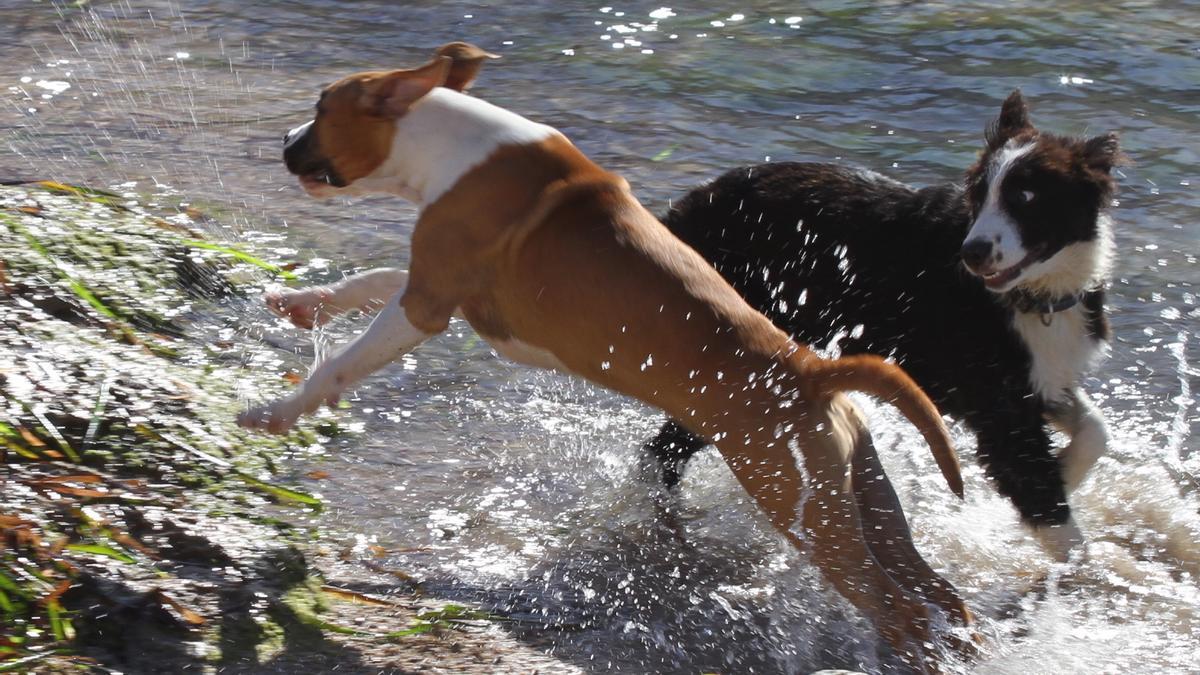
{"x":519,"y":489}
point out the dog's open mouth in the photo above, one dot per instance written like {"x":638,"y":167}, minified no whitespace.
{"x":318,"y":179}
{"x":1001,"y":278}
{"x":319,"y":182}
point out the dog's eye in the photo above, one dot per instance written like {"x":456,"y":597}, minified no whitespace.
{"x":1026,"y":196}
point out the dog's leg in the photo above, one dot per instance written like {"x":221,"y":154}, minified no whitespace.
{"x":1079,"y":418}
{"x":1015,"y":451}
{"x":885,"y":527}
{"x":316,"y":305}
{"x":1082,"y":421}
{"x":671,"y":448}
{"x":816,"y":511}
{"x":389,"y":336}
{"x":833,"y":523}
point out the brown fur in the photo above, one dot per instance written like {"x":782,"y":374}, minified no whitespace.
{"x":526,"y":186}
{"x":356,"y":116}
{"x":355,"y":141}
{"x":565,"y":259}
{"x":466,"y":59}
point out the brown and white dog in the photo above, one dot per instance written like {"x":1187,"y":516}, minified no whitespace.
{"x":555,"y":263}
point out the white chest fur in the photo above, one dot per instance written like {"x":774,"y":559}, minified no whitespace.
{"x":1062,"y":351}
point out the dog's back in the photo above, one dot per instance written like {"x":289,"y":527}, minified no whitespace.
{"x":667,"y":310}
{"x":859,"y":263}
{"x":830,"y":253}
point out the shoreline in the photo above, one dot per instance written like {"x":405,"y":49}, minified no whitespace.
{"x":143,"y":531}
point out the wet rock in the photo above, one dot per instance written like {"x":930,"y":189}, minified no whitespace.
{"x":130,"y":629}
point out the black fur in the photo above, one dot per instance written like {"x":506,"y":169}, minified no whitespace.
{"x":1098,"y":328}
{"x":871,"y":252}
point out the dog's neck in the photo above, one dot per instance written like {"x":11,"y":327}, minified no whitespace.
{"x":1079,"y":269}
{"x":1028,"y":302}
{"x":443,"y":136}
{"x":1078,"y":266}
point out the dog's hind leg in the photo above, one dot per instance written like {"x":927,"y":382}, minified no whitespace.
{"x":316,"y":305}
{"x":886,"y":529}
{"x":816,"y":511}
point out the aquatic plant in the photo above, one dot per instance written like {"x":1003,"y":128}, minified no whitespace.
{"x":116,"y":416}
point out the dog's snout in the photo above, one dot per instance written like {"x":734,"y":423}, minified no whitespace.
{"x":296,"y":134}
{"x":975,"y":252}
{"x":298,"y":150}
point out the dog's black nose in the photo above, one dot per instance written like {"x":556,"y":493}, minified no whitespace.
{"x":287,"y":138}
{"x":976,"y":251}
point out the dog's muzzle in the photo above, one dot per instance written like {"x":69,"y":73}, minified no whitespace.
{"x":296,"y":134}
{"x":302,"y":158}
{"x":976,"y":252}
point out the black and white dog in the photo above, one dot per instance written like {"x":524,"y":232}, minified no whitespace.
{"x":991,"y":297}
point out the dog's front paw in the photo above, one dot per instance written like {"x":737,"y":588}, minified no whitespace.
{"x":305,"y":308}
{"x":277,"y":418}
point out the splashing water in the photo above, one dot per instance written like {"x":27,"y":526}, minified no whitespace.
{"x":523,"y":491}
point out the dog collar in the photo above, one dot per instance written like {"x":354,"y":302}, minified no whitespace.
{"x":1039,"y":303}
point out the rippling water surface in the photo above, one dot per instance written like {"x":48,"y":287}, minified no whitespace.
{"x":519,"y":489}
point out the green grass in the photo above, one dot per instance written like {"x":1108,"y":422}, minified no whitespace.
{"x":101,"y":549}
{"x":241,"y":255}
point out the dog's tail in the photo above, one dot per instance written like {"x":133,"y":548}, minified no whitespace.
{"x":872,"y":375}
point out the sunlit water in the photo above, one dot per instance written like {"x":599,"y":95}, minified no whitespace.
{"x":520,"y":489}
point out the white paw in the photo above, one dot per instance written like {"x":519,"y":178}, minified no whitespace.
{"x":277,"y":418}
{"x":305,"y":308}
{"x":280,"y":416}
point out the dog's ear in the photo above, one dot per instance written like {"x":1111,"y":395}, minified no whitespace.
{"x":466,"y":59}
{"x":396,"y":91}
{"x":1013,"y":119}
{"x":1102,"y":153}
